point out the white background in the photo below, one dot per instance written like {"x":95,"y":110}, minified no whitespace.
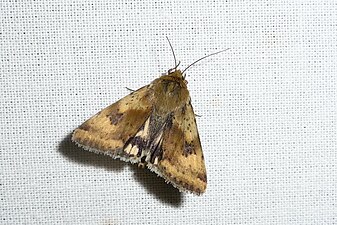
{"x":267,"y":107}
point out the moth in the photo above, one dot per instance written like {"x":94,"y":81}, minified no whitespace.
{"x":154,"y":126}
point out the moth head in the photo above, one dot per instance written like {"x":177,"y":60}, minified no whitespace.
{"x":177,"y":75}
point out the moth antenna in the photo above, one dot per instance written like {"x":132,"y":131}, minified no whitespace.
{"x":129,"y":89}
{"x":174,"y":56}
{"x":202,"y":59}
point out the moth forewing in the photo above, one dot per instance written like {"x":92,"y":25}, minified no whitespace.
{"x":153,"y":126}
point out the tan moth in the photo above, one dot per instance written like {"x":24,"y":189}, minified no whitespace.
{"x":153,"y":126}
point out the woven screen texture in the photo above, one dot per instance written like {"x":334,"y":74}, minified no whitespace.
{"x":266,"y":109}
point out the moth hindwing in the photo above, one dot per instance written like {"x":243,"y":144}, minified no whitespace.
{"x":154,"y":126}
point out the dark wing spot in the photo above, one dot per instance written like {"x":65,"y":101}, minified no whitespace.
{"x":115,"y":118}
{"x":202,"y":177}
{"x":188,"y":149}
{"x":183,"y":110}
{"x":84,"y":127}
{"x":142,"y":160}
{"x":140,"y":143}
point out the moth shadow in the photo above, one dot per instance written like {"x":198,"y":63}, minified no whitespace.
{"x":166,"y":193}
{"x":79,"y":155}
